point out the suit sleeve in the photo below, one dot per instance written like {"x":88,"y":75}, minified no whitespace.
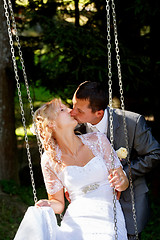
{"x":146,"y":149}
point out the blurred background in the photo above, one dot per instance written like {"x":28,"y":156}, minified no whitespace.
{"x":65,"y":43}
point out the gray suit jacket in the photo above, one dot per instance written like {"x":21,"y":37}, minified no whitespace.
{"x":144,"y":154}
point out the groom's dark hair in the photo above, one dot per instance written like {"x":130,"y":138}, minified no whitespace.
{"x":95,"y":92}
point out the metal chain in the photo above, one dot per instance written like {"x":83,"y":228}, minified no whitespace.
{"x":111,"y":110}
{"x":24,"y":73}
{"x":18,"y":85}
{"x":124,"y":119}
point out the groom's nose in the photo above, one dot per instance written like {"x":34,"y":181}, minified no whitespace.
{"x":69,"y":110}
{"x":73,"y":112}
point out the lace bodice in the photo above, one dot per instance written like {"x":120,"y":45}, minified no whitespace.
{"x":97,"y":142}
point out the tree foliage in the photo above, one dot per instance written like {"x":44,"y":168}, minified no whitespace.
{"x":65,"y":53}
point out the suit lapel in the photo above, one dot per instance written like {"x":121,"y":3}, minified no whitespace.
{"x":118,"y":134}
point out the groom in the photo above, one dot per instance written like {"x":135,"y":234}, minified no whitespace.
{"x":90,"y":109}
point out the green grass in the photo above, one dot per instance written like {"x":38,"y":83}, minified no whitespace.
{"x":152,"y":230}
{"x":14,"y":201}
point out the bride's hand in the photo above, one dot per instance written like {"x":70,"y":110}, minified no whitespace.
{"x":55,"y":201}
{"x":43,"y":203}
{"x":118,"y":179}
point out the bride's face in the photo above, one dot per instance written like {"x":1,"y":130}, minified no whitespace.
{"x":63,"y":117}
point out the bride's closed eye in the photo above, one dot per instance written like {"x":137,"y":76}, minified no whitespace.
{"x":63,"y":109}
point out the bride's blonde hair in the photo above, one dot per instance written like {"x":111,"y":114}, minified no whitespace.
{"x":45,"y":125}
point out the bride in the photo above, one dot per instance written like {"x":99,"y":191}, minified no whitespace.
{"x":82,"y":166}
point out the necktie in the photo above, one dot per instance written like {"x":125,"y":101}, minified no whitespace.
{"x":93,"y":129}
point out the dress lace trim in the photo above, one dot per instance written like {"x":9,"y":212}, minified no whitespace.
{"x":99,"y":145}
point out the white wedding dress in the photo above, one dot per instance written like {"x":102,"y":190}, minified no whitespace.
{"x":90,"y":215}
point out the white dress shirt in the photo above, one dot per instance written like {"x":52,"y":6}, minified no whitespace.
{"x":101,"y":126}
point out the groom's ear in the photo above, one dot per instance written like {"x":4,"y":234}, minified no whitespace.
{"x":100,"y":113}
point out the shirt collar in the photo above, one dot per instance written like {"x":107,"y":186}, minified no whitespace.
{"x":102,"y":125}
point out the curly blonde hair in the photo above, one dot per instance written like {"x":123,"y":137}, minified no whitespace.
{"x":43,"y":123}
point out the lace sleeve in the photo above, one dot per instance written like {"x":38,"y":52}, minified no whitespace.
{"x":106,"y":152}
{"x":52,"y":182}
{"x":100,"y":145}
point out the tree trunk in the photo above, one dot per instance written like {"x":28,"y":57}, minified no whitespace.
{"x":77,"y":13}
{"x":8,"y":159}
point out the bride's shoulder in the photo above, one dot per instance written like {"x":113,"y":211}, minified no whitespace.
{"x":98,"y":138}
{"x":46,"y":160}
{"x":92,"y":136}
{"x":44,"y":156}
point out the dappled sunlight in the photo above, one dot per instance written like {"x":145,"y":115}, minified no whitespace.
{"x":20,"y":132}
{"x":145,"y":30}
{"x":22,"y":2}
{"x":84,"y":10}
{"x":82,"y":19}
{"x":25,"y":2}
{"x":149,"y":118}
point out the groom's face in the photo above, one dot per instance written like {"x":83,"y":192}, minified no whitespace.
{"x":82,"y":113}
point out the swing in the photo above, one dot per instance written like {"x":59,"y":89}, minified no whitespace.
{"x":110,"y":102}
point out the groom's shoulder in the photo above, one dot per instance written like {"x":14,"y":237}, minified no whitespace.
{"x":128,"y":114}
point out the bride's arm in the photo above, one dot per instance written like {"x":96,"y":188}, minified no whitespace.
{"x":55,"y":201}
{"x":53,"y":185}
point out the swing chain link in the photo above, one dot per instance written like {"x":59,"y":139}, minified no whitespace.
{"x":10,"y":33}
{"x":24,"y":74}
{"x":124,"y":119}
{"x":122,"y":106}
{"x":111,"y":111}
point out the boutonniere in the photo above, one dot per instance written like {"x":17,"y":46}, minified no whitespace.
{"x":122,"y":153}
